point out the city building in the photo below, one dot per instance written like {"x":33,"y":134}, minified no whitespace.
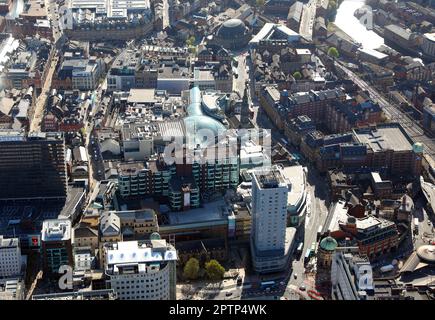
{"x":388,"y":145}
{"x":109,"y":232}
{"x":277,"y":7}
{"x":102,"y":294}
{"x":32,"y":166}
{"x":296,"y":129}
{"x":183,"y":193}
{"x":298,"y":198}
{"x":5,"y":6}
{"x":429,"y":118}
{"x":273,"y":34}
{"x":80,"y":74}
{"x":138,"y":224}
{"x":326,"y":252}
{"x":400,"y":38}
{"x":56,"y":245}
{"x":233,"y":34}
{"x":122,"y":74}
{"x":10,"y":257}
{"x":282,"y":106}
{"x":85,"y":236}
{"x":295,"y":15}
{"x":428,"y":45}
{"x":142,"y":270}
{"x":374,"y":236}
{"x":12,"y":289}
{"x":26,"y":65}
{"x":351,"y":277}
{"x":32,"y":21}
{"x":109,"y":20}
{"x":269,"y":246}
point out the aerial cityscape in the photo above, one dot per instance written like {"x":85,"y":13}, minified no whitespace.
{"x":217,"y":150}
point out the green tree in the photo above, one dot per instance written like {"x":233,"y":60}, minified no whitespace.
{"x":297,"y":75}
{"x":214,"y":270}
{"x":259,"y":3}
{"x":190,"y":41}
{"x":333,"y":52}
{"x":191,"y":269}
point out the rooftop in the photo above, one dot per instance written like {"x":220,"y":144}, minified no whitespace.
{"x":269,"y":178}
{"x":127,"y":252}
{"x":272,"y":31}
{"x":384,"y":137}
{"x":56,"y":230}
{"x":8,"y":243}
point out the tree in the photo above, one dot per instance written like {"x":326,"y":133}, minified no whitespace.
{"x":191,"y":269}
{"x":333,"y":52}
{"x":214,"y":270}
{"x":260,"y":3}
{"x":190,"y":41}
{"x":297,"y":75}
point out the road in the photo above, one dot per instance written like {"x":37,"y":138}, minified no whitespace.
{"x":393,"y":113}
{"x":242,"y":73}
{"x":41,"y":100}
{"x":35,"y":123}
{"x":165,"y":14}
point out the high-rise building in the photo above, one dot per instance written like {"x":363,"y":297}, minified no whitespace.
{"x":10,"y":257}
{"x":269,"y":220}
{"x":32,"y":166}
{"x":143,"y":270}
{"x":56,"y":244}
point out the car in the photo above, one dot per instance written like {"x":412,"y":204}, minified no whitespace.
{"x":302,"y":287}
{"x":228,"y":294}
{"x":295,"y":276}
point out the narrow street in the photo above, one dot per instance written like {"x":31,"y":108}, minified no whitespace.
{"x":35,"y":123}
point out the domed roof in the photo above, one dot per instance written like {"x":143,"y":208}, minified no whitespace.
{"x":328,"y":244}
{"x":232,"y":28}
{"x":427,"y":253}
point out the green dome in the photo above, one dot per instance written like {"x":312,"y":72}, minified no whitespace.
{"x":328,"y":244}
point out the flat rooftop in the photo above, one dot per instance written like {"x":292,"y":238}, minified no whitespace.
{"x":296,"y":176}
{"x":388,"y":137}
{"x":212,"y":211}
{"x":269,"y":179}
{"x":142,"y":96}
{"x":56,"y":230}
{"x":128,"y":252}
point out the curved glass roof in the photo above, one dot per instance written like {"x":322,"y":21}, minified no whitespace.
{"x":199,"y":126}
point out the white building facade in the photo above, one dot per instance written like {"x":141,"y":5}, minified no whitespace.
{"x":10,"y":257}
{"x":269,"y":220}
{"x":142,"y":270}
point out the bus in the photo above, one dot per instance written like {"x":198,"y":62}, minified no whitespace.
{"x":416,"y":225}
{"x":313,"y":248}
{"x":307,"y":256}
{"x":299,"y":250}
{"x":319,"y":232}
{"x":284,"y":142}
{"x":266,"y":284}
